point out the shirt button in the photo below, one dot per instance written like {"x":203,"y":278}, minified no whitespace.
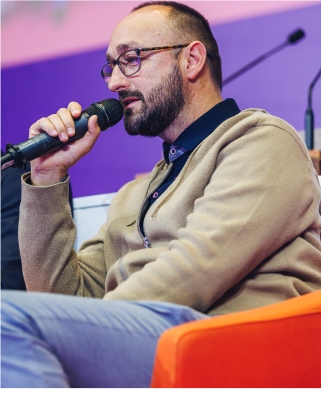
{"x":173,"y":152}
{"x":155,"y":195}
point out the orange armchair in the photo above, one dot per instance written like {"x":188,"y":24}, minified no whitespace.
{"x":277,"y":346}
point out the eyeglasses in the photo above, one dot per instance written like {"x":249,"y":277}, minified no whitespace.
{"x":129,"y":62}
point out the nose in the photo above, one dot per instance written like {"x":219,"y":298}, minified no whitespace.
{"x":118,"y":81}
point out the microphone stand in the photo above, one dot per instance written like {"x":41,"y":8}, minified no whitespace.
{"x":309,"y":118}
{"x":296,"y":36}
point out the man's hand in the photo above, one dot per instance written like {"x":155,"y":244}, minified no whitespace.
{"x":52,"y":167}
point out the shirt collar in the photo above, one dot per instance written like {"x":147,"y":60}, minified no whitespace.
{"x":194,"y":134}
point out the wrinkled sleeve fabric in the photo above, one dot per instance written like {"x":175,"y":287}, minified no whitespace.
{"x":260,"y":196}
{"x":47,"y":235}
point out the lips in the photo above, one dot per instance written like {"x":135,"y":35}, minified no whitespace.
{"x":127,"y":101}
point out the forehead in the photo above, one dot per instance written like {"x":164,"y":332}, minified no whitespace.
{"x":142,"y":28}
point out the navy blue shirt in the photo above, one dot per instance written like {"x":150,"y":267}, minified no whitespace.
{"x":190,"y":138}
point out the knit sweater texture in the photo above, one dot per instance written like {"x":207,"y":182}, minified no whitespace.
{"x":238,"y":229}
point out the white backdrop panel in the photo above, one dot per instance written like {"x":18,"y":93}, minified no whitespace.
{"x":90,"y":213}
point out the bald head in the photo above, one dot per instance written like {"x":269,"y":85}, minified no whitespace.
{"x":183,"y":23}
{"x":159,"y":17}
{"x":134,"y":26}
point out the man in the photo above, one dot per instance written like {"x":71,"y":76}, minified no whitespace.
{"x":11,"y":269}
{"x":228,"y":221}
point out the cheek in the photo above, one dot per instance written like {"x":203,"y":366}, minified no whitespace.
{"x":145,"y":85}
{"x":159,"y":65}
{"x":152,"y":75}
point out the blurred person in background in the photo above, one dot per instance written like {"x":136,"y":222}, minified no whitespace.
{"x":228,"y":221}
{"x":11,"y":269}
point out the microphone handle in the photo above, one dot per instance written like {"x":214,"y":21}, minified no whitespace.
{"x":41,"y":144}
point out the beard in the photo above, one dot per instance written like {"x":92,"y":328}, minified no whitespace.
{"x":159,"y":108}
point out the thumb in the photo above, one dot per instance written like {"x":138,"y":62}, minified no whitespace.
{"x":93,"y":126}
{"x":88,"y":140}
{"x":93,"y":130}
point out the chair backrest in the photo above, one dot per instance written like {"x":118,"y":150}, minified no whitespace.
{"x":90,"y":213}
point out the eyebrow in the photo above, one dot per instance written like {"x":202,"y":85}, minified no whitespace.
{"x":124,"y":47}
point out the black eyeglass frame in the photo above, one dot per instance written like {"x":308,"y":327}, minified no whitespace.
{"x":138,"y":51}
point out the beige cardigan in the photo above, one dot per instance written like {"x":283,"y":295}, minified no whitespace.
{"x":239,"y":228}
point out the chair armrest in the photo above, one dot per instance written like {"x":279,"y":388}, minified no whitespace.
{"x":276,"y":346}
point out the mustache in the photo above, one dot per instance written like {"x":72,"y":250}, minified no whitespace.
{"x":134,"y":93}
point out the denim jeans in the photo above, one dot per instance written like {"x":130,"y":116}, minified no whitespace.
{"x":51,"y":340}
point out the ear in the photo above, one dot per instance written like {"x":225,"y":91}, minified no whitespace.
{"x":195,"y":58}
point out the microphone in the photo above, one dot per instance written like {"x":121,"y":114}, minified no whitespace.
{"x":309,"y":118}
{"x":109,"y":113}
{"x":294,"y":37}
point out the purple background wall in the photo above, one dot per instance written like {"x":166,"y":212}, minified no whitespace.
{"x":278,"y":85}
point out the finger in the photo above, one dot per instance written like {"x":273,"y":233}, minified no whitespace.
{"x":74,"y":108}
{"x":59,"y":127}
{"x":43,"y":124}
{"x":67,"y":120}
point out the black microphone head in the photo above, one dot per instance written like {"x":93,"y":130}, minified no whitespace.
{"x":296,"y":36}
{"x":109,"y":112}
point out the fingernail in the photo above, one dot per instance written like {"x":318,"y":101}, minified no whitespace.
{"x":76,"y":112}
{"x":63,"y":136}
{"x":53,"y":133}
{"x":70,"y":131}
